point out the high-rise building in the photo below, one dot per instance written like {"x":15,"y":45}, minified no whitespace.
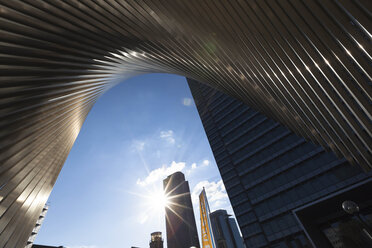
{"x":156,"y":240}
{"x":37,"y":227}
{"x":225,"y":230}
{"x":218,"y":229}
{"x":180,"y":218}
{"x":285,"y":191}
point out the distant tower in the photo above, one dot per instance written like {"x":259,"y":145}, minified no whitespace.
{"x":225,"y":230}
{"x":180,"y":218}
{"x":156,"y":240}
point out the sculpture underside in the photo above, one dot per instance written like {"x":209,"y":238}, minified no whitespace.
{"x":306,"y":64}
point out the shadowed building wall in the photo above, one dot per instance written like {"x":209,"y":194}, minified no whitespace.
{"x":305,"y":64}
{"x":268,"y":172}
{"x":179,"y":215}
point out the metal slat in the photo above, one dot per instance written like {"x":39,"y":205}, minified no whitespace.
{"x":306,"y":64}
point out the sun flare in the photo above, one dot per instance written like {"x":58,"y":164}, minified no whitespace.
{"x":156,"y":201}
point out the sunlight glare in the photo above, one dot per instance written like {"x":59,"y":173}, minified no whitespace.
{"x":157,"y":200}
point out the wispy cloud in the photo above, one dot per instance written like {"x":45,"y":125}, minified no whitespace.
{"x":205,"y":162}
{"x":138,"y":145}
{"x":194,"y":166}
{"x":216,"y":193}
{"x":187,"y":101}
{"x":161,"y":173}
{"x":168,"y":136}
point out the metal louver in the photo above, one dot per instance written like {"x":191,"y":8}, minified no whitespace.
{"x":306,"y":64}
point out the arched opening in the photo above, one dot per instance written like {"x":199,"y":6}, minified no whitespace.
{"x":137,"y":133}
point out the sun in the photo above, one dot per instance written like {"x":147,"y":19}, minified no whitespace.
{"x":152,"y":203}
{"x":164,"y":200}
{"x":157,"y":200}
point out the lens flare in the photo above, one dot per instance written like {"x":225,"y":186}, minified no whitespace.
{"x":157,"y":200}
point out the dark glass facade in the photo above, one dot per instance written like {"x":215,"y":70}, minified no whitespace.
{"x":180,"y":218}
{"x":225,"y":230}
{"x":269,"y":173}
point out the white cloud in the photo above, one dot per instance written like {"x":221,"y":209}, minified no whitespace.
{"x":187,"y":101}
{"x":205,"y":162}
{"x":168,"y":136}
{"x":193,"y":166}
{"x":216,"y":194}
{"x":161,"y":173}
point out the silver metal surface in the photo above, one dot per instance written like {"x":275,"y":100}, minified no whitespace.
{"x":306,"y":64}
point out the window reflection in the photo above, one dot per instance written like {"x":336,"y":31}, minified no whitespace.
{"x":349,"y":233}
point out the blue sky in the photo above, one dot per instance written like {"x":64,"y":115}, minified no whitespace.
{"x":136,"y":134}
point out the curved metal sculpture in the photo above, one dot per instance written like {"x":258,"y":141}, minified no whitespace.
{"x":306,"y":64}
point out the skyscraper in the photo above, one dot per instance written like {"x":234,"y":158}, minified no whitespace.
{"x":180,"y":218}
{"x":225,"y":230}
{"x":156,"y":240}
{"x":285,"y":191}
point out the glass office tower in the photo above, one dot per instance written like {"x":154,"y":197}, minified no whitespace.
{"x":225,"y":230}
{"x":285,"y":191}
{"x":180,"y":218}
